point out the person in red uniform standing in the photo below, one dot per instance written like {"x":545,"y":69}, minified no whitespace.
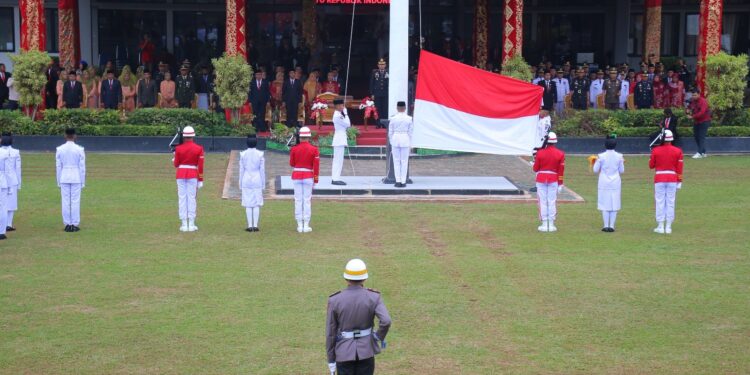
{"x":667,"y":161}
{"x":188,"y":159}
{"x":305,"y":161}
{"x":549,"y":166}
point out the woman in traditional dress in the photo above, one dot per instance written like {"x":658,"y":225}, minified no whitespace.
{"x":59,"y":89}
{"x":276,"y":90}
{"x":167,"y":89}
{"x":661,"y":93}
{"x":677,"y":92}
{"x":609,"y":165}
{"x":127,"y":80}
{"x":252,"y":182}
{"x":91,"y":87}
{"x":312,"y":87}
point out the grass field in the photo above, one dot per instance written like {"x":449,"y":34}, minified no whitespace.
{"x":472,"y":288}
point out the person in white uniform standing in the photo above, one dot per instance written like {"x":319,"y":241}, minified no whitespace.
{"x":563,"y":89}
{"x":4,"y":189}
{"x":252,"y":182}
{"x":341,"y":122}
{"x":597,"y":87}
{"x":70,"y":161}
{"x":13,"y":177}
{"x":400,"y":128}
{"x":609,"y":165}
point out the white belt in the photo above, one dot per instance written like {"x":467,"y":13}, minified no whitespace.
{"x":183,"y":166}
{"x":302,"y":170}
{"x":547,"y":172}
{"x":666,"y":172}
{"x":356,"y":333}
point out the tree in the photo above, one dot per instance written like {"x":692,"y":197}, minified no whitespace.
{"x":232,"y":82}
{"x":516,"y":67}
{"x":29,"y":78}
{"x":725,"y":83}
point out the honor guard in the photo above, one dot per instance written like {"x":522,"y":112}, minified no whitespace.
{"x":341,"y":122}
{"x":379,"y":89}
{"x":70,"y":160}
{"x":609,"y":165}
{"x":612,"y":88}
{"x":595,"y":89}
{"x":188,"y":159}
{"x":351,"y":341}
{"x":400,"y":128}
{"x":5,"y":161}
{"x":549,"y":166}
{"x":304,"y":158}
{"x":580,"y":89}
{"x":252,"y":182}
{"x":13,"y":177}
{"x":666,"y":160}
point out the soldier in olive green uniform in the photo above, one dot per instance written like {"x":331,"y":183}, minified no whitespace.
{"x":185,"y":92}
{"x":580,"y":89}
{"x":611,"y":89}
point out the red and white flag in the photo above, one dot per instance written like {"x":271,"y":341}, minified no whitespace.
{"x":462,"y":108}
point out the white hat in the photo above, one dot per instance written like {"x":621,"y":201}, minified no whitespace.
{"x":188,"y":131}
{"x":355,"y":270}
{"x":305,"y":132}
{"x":552,"y":137}
{"x":668,"y":136}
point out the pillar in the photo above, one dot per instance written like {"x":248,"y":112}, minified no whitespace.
{"x":513,"y":29}
{"x":652,"y":30}
{"x":33,"y":32}
{"x":622,"y":22}
{"x":398,"y":54}
{"x":69,"y":35}
{"x":709,"y":37}
{"x":480,"y":34}
{"x":235,"y":40}
{"x":309,"y":24}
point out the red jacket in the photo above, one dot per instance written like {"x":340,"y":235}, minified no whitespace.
{"x":188,"y":159}
{"x":306,"y":159}
{"x":667,"y":161}
{"x":549,"y":165}
{"x":699,"y":110}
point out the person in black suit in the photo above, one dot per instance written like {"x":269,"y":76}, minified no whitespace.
{"x":4,"y":91}
{"x":291,"y":94}
{"x":259,"y":95}
{"x":72,"y":92}
{"x":50,"y":89}
{"x":550,"y":91}
{"x":111,"y":91}
{"x":669,"y":122}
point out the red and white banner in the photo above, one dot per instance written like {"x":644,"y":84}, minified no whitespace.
{"x":462,"y":108}
{"x":33,"y":30}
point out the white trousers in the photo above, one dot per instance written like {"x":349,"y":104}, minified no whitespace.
{"x":4,"y":209}
{"x":253,"y":216}
{"x":303,"y":199}
{"x":338,"y":162}
{"x":547,"y":196}
{"x":609,"y":218}
{"x":400,"y":163}
{"x":71,"y":203}
{"x":559,"y":107}
{"x":186,"y":191}
{"x":665,"y":194}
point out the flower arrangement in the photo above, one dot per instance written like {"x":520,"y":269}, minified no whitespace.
{"x":319,"y":106}
{"x":369,"y":107}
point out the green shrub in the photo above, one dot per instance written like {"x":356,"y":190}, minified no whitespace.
{"x":280,"y":133}
{"x":29,"y":77}
{"x":725,"y":81}
{"x":175,"y":117}
{"x":584,"y":124}
{"x":79,"y":117}
{"x":15,"y":122}
{"x":516,"y":67}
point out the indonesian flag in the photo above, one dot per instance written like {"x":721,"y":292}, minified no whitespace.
{"x":462,"y":108}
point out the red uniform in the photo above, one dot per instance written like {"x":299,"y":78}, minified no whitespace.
{"x":305,"y":159}
{"x":667,"y":161}
{"x":549,"y":165}
{"x":188,"y":159}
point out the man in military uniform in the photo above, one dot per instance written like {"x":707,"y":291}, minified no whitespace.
{"x":304,"y":159}
{"x":188,"y":160}
{"x":595,"y":89}
{"x":667,"y":161}
{"x":611,"y":88}
{"x":341,"y":122}
{"x":379,"y":89}
{"x":563,"y":88}
{"x":580,"y":88}
{"x":549,"y":165}
{"x":70,"y":160}
{"x":185,"y":92}
{"x":351,"y":342}
{"x":644,"y":92}
{"x":400,"y":130}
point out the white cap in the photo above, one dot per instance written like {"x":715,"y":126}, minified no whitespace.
{"x":668,"y":136}
{"x":552,"y":137}
{"x":305,"y":132}
{"x":355,"y":270}
{"x":188,"y":131}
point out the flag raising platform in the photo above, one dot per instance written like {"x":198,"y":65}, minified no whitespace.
{"x":422,"y":185}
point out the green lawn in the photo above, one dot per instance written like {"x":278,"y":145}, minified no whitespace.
{"x":472,"y":288}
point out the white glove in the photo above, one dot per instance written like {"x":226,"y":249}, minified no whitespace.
{"x":200,"y":184}
{"x":679,"y":185}
{"x":332,"y":367}
{"x":560,"y":188}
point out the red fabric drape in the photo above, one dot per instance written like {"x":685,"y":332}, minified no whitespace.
{"x":709,"y":37}
{"x":235,"y":41}
{"x":33,"y":30}
{"x":69,"y":35}
{"x":513,"y":28}
{"x":652,"y":30}
{"x":480,"y":33}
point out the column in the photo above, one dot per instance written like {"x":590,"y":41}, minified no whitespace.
{"x":309,"y":23}
{"x":33,"y":32}
{"x":513,"y":29}
{"x":480,"y":34}
{"x":652,"y":30}
{"x":235,"y":41}
{"x":398,"y":52}
{"x":85,"y":16}
{"x":622,"y":23}
{"x":69,"y":36}
{"x":709,"y":37}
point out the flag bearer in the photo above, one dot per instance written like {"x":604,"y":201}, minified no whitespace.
{"x":70,"y":161}
{"x":252,"y":182}
{"x":549,"y":166}
{"x":13,"y":176}
{"x":609,"y":165}
{"x":188,"y":159}
{"x":400,"y":129}
{"x":666,"y":160}
{"x":304,"y":158}
{"x":341,"y":122}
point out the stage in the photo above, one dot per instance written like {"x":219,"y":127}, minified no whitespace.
{"x":422,"y":185}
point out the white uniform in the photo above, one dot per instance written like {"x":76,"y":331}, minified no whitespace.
{"x":13,"y":177}
{"x":5,"y":161}
{"x":563,"y":88}
{"x":70,"y":161}
{"x":624,"y":93}
{"x":609,"y":166}
{"x":597,"y":86}
{"x":400,"y":128}
{"x":341,"y":122}
{"x":542,"y":127}
{"x":252,"y":183}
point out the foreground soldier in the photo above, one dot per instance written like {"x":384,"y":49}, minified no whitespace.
{"x":549,"y":166}
{"x":13,"y":177}
{"x":341,"y":122}
{"x":400,"y":129}
{"x":667,"y":161}
{"x":188,"y":159}
{"x":252,"y":182}
{"x":305,"y":159}
{"x":351,"y":343}
{"x":70,"y":161}
{"x":609,"y":165}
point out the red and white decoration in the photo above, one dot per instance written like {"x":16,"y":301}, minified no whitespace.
{"x":482,"y":112}
{"x":368,"y":106}
{"x":33,"y":29}
{"x":318,"y":108}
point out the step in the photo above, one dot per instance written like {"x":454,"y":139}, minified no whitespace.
{"x":370,"y":142}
